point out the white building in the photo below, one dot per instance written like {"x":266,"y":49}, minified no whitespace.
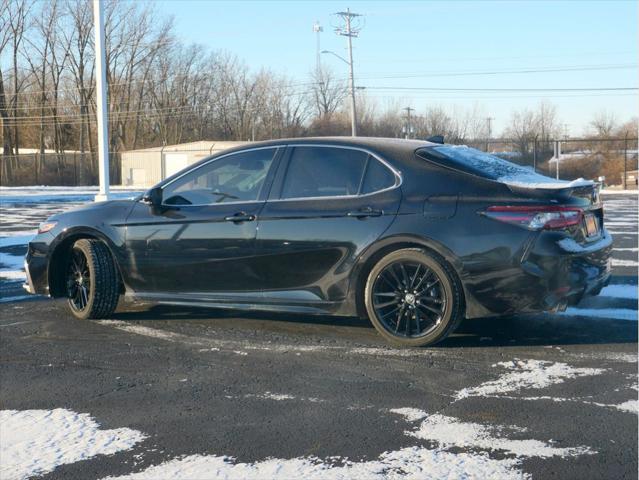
{"x":148,"y":166}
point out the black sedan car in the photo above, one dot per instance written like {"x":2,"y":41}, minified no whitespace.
{"x":414,"y":235}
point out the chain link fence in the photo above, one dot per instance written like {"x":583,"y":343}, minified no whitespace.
{"x":612,"y":161}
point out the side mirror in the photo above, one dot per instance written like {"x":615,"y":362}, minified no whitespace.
{"x":153,"y":197}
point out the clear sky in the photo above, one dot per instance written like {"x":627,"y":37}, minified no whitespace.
{"x":422,"y":44}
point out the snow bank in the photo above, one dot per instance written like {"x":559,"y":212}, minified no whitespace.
{"x":34,"y":442}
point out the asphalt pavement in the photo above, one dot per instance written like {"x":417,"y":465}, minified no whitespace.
{"x":267,"y":395}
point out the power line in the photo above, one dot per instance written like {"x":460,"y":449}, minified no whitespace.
{"x":440,"y":89}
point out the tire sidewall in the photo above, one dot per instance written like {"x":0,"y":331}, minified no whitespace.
{"x":447,"y":283}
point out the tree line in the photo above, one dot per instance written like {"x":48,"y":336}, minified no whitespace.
{"x":162,"y":91}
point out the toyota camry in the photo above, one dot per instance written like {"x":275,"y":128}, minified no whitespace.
{"x":413,"y":235}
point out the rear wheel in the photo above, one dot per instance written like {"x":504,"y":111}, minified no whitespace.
{"x":92,"y":280}
{"x":413,"y":298}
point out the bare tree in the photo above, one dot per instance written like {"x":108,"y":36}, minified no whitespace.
{"x":603,"y":123}
{"x":328,"y":92}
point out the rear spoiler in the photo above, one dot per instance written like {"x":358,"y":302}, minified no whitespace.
{"x":564,"y":189}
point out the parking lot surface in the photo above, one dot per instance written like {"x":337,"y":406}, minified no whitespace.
{"x":160,"y":392}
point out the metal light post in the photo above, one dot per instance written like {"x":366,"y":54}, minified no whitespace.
{"x":101,"y":101}
{"x":349,"y":31}
{"x":351,"y":88}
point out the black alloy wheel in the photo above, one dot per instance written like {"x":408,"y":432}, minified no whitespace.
{"x":413,"y":298}
{"x":78,"y":281}
{"x":92,"y":280}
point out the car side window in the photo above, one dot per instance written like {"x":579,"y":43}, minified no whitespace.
{"x":378,"y":177}
{"x":236,"y":178}
{"x":324,"y":172}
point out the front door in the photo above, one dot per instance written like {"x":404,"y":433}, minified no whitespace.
{"x":202,"y":240}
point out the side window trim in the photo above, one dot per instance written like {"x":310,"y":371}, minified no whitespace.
{"x":264,"y":190}
{"x":278,"y":185}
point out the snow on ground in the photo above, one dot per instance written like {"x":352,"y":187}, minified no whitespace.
{"x":458,"y":449}
{"x":407,"y":463}
{"x":609,"y":313}
{"x":620,"y":291}
{"x":43,"y":194}
{"x":450,"y":432}
{"x":528,"y":374}
{"x":35,"y":442}
{"x":12,"y":267}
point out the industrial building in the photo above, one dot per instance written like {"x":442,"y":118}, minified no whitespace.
{"x":148,"y":166}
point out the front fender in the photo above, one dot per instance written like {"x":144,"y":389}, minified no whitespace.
{"x":112,"y":237}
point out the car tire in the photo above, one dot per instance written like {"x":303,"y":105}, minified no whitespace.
{"x":409,"y":308}
{"x":91,"y":280}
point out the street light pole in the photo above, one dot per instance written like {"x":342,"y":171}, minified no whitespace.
{"x":349,"y":32}
{"x":351,"y":76}
{"x":101,"y":101}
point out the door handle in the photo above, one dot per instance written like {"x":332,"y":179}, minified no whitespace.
{"x":365,"y":212}
{"x":240,"y":217}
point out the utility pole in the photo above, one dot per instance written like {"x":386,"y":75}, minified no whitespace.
{"x":625,"y":161}
{"x":408,"y":125}
{"x":348,"y":31}
{"x":489,"y":121}
{"x":101,"y":101}
{"x":318,"y":29}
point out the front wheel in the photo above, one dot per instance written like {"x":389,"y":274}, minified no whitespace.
{"x":413,"y":298}
{"x":92,"y":280}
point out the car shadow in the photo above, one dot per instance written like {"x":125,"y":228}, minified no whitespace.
{"x":522,"y":330}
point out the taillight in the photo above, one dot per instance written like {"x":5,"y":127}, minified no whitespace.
{"x":536,"y":217}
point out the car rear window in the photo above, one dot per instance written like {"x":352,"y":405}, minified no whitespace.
{"x":473,"y":161}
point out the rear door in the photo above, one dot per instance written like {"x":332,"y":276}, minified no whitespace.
{"x":326,"y":205}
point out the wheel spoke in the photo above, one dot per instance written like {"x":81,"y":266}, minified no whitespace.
{"x":385,"y":304}
{"x":402,"y":269}
{"x":385,"y":294}
{"x":426,"y":275}
{"x":430,"y":309}
{"x":399,"y":317}
{"x":398,"y":282}
{"x":431,"y":299}
{"x":85,"y":300}
{"x":412,"y":282}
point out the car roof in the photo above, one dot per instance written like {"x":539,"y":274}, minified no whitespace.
{"x":385,"y":146}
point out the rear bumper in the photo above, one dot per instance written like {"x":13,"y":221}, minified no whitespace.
{"x":548,"y":274}
{"x":580,"y":270}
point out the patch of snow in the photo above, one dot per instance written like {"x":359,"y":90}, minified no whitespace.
{"x":451,"y":432}
{"x":620,"y":291}
{"x":410,"y":414}
{"x":603,"y":313}
{"x":11,"y":240}
{"x":12,"y":267}
{"x":407,"y":463}
{"x":626,"y":249}
{"x":528,"y":374}
{"x":35,"y":442}
{"x":610,"y":191}
{"x":624,"y":263}
{"x":631,"y":406}
{"x":536,"y":181}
